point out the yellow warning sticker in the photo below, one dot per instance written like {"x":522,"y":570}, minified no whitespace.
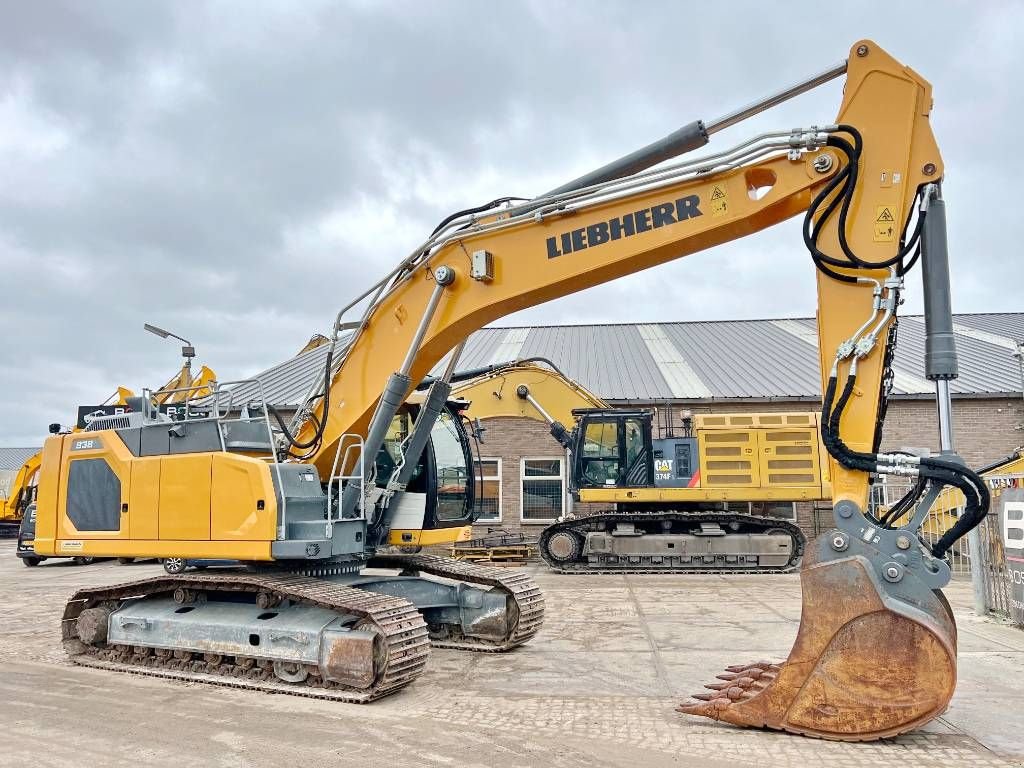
{"x":719,"y":201}
{"x":886,"y":228}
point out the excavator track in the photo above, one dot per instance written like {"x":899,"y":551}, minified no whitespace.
{"x":527,"y":601}
{"x":405,"y":651}
{"x":666,"y":563}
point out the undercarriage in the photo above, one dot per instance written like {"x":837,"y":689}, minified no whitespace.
{"x":350,"y":635}
{"x":672,"y":542}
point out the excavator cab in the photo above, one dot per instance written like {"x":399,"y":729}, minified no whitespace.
{"x":442,"y":476}
{"x":612,"y":448}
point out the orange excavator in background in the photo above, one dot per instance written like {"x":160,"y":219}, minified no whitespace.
{"x":363,"y":464}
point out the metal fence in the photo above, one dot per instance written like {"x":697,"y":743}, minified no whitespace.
{"x":944,"y":513}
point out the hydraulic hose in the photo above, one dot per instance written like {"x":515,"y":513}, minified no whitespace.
{"x":844,"y":184}
{"x":976,"y":494}
{"x":320,"y":424}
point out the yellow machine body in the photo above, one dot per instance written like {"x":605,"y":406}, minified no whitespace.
{"x":745,"y":457}
{"x":200,"y":505}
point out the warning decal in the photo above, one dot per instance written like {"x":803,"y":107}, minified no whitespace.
{"x":719,"y":202}
{"x":885,"y":224}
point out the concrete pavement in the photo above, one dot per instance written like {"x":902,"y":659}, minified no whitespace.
{"x":597,"y":687}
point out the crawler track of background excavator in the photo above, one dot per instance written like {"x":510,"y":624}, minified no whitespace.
{"x":688,"y":554}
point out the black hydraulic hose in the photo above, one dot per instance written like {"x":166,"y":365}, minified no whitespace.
{"x":846,"y":183}
{"x":897,"y":510}
{"x":319,"y":433}
{"x":473,"y":373}
{"x":974,"y":512}
{"x":830,"y":431}
{"x":479,"y":209}
{"x":975,"y":491}
{"x":971,"y":519}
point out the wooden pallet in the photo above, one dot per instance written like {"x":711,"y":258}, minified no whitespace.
{"x":513,"y":555}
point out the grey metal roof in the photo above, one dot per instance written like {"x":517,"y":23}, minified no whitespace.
{"x":13,"y":458}
{"x":704,"y":360}
{"x":285,"y":384}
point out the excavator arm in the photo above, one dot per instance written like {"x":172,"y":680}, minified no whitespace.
{"x":522,"y":388}
{"x":875,"y":654}
{"x":480,"y":268}
{"x":184,"y":386}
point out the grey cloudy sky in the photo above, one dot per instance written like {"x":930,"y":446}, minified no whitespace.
{"x":236,"y":171}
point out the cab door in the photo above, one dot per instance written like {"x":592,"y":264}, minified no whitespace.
{"x":598,"y":457}
{"x":614,"y":450}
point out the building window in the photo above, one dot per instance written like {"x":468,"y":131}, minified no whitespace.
{"x":785,"y":510}
{"x":488,"y":472}
{"x":541,"y":487}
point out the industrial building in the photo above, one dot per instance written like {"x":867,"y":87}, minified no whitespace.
{"x":712,"y":366}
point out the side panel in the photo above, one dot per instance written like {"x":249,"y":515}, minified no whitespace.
{"x":676,"y":462}
{"x":144,"y":507}
{"x":185,"y":497}
{"x":728,"y":458}
{"x":244,"y":506}
{"x":47,"y":500}
{"x":789,"y":456}
{"x":94,"y":489}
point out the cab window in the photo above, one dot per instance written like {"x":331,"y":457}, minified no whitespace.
{"x":450,"y":465}
{"x":601,"y":453}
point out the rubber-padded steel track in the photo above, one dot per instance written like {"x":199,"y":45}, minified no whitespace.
{"x":404,"y":633}
{"x":527,"y":601}
{"x":601,"y":522}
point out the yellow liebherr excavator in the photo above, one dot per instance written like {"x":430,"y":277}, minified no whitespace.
{"x":665,"y":493}
{"x":876,"y":649}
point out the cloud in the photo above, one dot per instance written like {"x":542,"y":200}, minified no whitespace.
{"x":237,"y":171}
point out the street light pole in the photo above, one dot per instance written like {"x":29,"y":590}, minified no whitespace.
{"x":187,"y":351}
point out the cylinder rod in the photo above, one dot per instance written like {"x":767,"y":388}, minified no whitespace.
{"x":540,"y":409}
{"x":945,"y":409}
{"x":421,"y":330}
{"x":754,"y":108}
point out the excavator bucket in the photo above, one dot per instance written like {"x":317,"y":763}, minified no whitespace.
{"x":873,"y":657}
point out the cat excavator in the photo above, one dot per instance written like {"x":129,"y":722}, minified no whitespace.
{"x":310,"y":501}
{"x":666,"y":494}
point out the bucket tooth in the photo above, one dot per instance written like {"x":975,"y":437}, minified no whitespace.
{"x":718,"y":686}
{"x":864,"y":666}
